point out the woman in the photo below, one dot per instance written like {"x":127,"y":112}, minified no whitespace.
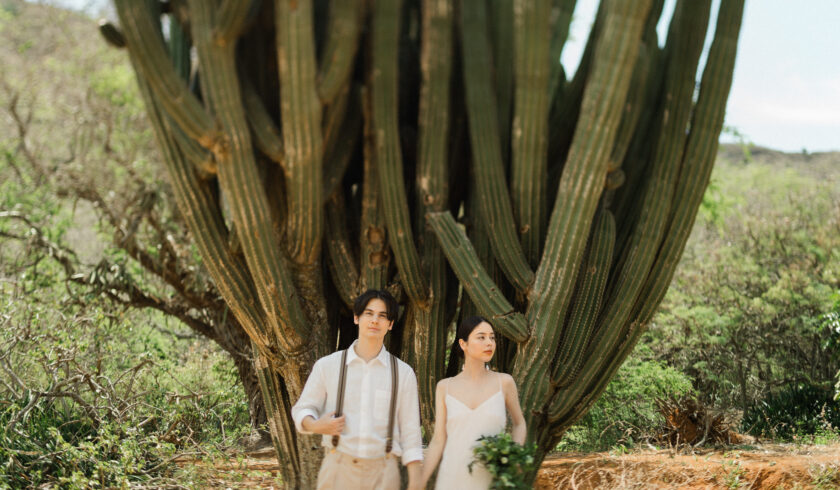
{"x":470,"y":405}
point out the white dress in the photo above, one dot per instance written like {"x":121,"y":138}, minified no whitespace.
{"x":463,"y":428}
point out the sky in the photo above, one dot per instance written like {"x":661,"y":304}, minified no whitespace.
{"x":786,"y":86}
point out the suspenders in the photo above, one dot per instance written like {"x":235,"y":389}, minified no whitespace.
{"x":395,"y":376}
{"x":342,"y":382}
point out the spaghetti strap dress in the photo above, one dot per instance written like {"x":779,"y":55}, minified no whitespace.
{"x":464,"y":426}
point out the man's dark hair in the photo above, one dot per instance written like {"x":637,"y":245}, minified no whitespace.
{"x":362,"y":301}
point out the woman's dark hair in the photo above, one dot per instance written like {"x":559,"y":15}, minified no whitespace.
{"x":462,"y":333}
{"x":391,"y":306}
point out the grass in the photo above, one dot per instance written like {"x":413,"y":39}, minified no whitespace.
{"x":735,"y":474}
{"x":825,"y":475}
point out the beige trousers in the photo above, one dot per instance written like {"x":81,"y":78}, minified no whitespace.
{"x":342,"y":471}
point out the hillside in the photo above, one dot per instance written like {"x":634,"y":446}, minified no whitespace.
{"x":818,"y":165}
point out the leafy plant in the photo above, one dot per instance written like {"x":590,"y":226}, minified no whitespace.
{"x":509,"y":463}
{"x":735,"y":474}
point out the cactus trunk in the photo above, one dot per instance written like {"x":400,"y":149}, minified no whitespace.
{"x":436,"y":149}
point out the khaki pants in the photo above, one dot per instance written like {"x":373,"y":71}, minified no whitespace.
{"x":342,"y":471}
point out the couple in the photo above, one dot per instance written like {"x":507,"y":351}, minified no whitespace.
{"x":369,"y":413}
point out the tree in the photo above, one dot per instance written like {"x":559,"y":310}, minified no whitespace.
{"x":317,"y":149}
{"x":70,"y":144}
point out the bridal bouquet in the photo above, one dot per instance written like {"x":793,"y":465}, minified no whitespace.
{"x":507,"y":461}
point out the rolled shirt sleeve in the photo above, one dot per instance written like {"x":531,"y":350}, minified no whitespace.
{"x":312,"y":399}
{"x":411,"y":440}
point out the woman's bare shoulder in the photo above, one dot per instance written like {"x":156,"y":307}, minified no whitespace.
{"x":507,"y":380}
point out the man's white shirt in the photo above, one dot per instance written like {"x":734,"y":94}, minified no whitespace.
{"x":367,"y":399}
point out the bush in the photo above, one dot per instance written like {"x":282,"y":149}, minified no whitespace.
{"x":792,"y":412}
{"x":627,"y":412}
{"x":57,"y":445}
{"x":67,"y":425}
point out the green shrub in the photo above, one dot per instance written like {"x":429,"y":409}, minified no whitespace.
{"x":88,"y":433}
{"x":627,"y":413}
{"x":56,"y":445}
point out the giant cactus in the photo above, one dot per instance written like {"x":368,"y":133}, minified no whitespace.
{"x":316,"y":149}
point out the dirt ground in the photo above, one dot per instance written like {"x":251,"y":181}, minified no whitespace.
{"x":757,"y":467}
{"x":748,"y":467}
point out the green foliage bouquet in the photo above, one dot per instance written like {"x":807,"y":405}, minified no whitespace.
{"x":508,"y":462}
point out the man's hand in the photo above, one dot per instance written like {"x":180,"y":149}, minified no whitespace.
{"x":328,"y":425}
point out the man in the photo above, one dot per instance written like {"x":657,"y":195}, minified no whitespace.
{"x":359,"y":458}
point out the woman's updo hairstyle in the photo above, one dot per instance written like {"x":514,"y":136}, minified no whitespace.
{"x":456,"y":354}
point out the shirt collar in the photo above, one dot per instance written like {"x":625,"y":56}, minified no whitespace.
{"x":382,"y":357}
